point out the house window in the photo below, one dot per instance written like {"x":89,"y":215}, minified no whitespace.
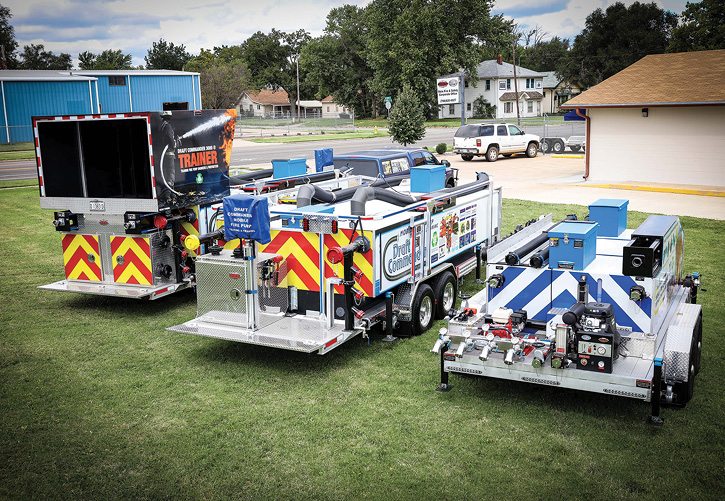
{"x":488,"y":84}
{"x":251,"y":107}
{"x":502,"y":85}
{"x":468,"y":106}
{"x":328,"y":109}
{"x":466,"y":83}
{"x":257,"y":106}
{"x":451,"y":109}
{"x":117,"y":80}
{"x":508,"y":107}
{"x":530,"y":106}
{"x":508,"y":84}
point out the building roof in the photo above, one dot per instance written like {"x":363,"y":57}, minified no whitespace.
{"x":310,"y":104}
{"x":685,"y":78}
{"x":42,"y":75}
{"x":329,"y":99}
{"x":146,"y":73}
{"x":550,"y":79}
{"x":491,"y":69}
{"x":266,"y":96}
{"x":528,"y":94}
{"x":80,"y":75}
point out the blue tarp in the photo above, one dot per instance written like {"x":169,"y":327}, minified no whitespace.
{"x":571,"y":116}
{"x":246,"y":216}
{"x":323,"y":158}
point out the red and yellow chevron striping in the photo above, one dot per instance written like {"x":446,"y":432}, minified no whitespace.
{"x":302,"y":252}
{"x":131,"y":260}
{"x":363,"y":262}
{"x":81,"y":257}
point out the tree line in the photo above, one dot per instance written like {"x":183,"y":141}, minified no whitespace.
{"x":368,"y":53}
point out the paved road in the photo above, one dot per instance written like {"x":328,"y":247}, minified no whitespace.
{"x":255,"y":153}
{"x":13,"y":170}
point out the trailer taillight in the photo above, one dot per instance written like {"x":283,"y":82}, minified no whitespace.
{"x":334,"y":226}
{"x":306,"y":224}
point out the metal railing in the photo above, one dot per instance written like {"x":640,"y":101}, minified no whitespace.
{"x":285,"y":123}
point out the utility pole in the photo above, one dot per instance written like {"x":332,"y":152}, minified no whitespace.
{"x":463,"y":98}
{"x":516,"y":85}
{"x":297,"y":61}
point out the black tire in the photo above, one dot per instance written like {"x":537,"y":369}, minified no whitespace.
{"x":445,"y":289}
{"x":545,"y":146}
{"x":532,"y":150}
{"x":467,"y":158}
{"x":558,"y":146}
{"x":450,"y":182}
{"x":575,"y":148}
{"x":423,"y":310}
{"x":492,"y":154}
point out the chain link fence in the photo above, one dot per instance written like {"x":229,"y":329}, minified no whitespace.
{"x":288,"y":124}
{"x":16,"y":138}
{"x":557,"y":135}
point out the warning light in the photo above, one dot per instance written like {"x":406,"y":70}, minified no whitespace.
{"x":306,"y":224}
{"x":334,"y":225}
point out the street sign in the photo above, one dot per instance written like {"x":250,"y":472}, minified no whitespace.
{"x":387,"y":104}
{"x":448,"y":90}
{"x":388,"y":99}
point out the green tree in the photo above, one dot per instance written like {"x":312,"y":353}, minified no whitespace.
{"x":7,"y":40}
{"x":483,"y":109}
{"x":222,"y":84}
{"x":109,"y":59}
{"x":616,"y":38}
{"x":165,"y":55}
{"x":35,"y":57}
{"x":335,"y":63}
{"x":407,"y":122}
{"x":548,"y":55}
{"x":702,"y":27}
{"x":413,"y":41}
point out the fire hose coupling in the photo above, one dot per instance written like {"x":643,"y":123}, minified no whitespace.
{"x":357,"y":294}
{"x":337,"y":254}
{"x":160,"y":222}
{"x":358,"y":313}
{"x":637,"y":293}
{"x":442,"y":340}
{"x":357,"y":273}
{"x":485,"y":352}
{"x":496,"y":281}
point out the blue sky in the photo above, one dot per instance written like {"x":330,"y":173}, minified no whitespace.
{"x":73,"y":26}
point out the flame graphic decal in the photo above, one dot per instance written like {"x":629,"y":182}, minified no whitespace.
{"x":227,"y":135}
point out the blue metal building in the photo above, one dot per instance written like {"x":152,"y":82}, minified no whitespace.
{"x":28,"y":93}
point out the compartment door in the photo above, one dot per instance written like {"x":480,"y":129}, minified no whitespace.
{"x":131,"y":258}
{"x":81,"y":257}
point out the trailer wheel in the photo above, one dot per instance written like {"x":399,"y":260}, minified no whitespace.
{"x":467,"y":157}
{"x":545,"y":146}
{"x":492,"y":154}
{"x":558,"y":146}
{"x":423,"y":310}
{"x":445,"y":289}
{"x":575,"y":148}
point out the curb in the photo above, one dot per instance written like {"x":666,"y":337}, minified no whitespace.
{"x":680,"y":191}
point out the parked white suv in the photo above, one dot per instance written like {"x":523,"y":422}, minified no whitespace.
{"x":494,"y":139}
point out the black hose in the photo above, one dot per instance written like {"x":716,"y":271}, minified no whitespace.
{"x":311,"y":192}
{"x":364,"y":194}
{"x":514,"y":257}
{"x":481,"y":181}
{"x":538,"y":259}
{"x":250,"y":176}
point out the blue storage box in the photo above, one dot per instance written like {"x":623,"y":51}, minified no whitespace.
{"x":323,"y":158}
{"x":289,"y":167}
{"x":611,"y":214}
{"x":427,"y":178}
{"x":294,"y":216}
{"x":572,"y":245}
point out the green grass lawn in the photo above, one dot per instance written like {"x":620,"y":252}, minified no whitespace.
{"x":99,"y":401}
{"x":17,"y":155}
{"x":318,"y":137}
{"x":25,"y":146}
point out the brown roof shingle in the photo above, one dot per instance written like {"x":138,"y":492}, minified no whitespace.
{"x":269,"y":96}
{"x":661,"y":79}
{"x":530,"y":94}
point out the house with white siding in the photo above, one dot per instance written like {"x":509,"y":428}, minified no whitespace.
{"x":495,"y":82}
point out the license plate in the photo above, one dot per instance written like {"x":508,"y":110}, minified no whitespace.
{"x":98,"y":205}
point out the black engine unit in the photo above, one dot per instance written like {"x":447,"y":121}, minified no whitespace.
{"x":597,"y":338}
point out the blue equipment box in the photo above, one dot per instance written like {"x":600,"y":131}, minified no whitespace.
{"x":611,"y":214}
{"x":427,"y":178}
{"x":572,"y":245}
{"x":289,"y":167}
{"x":295,"y":215}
